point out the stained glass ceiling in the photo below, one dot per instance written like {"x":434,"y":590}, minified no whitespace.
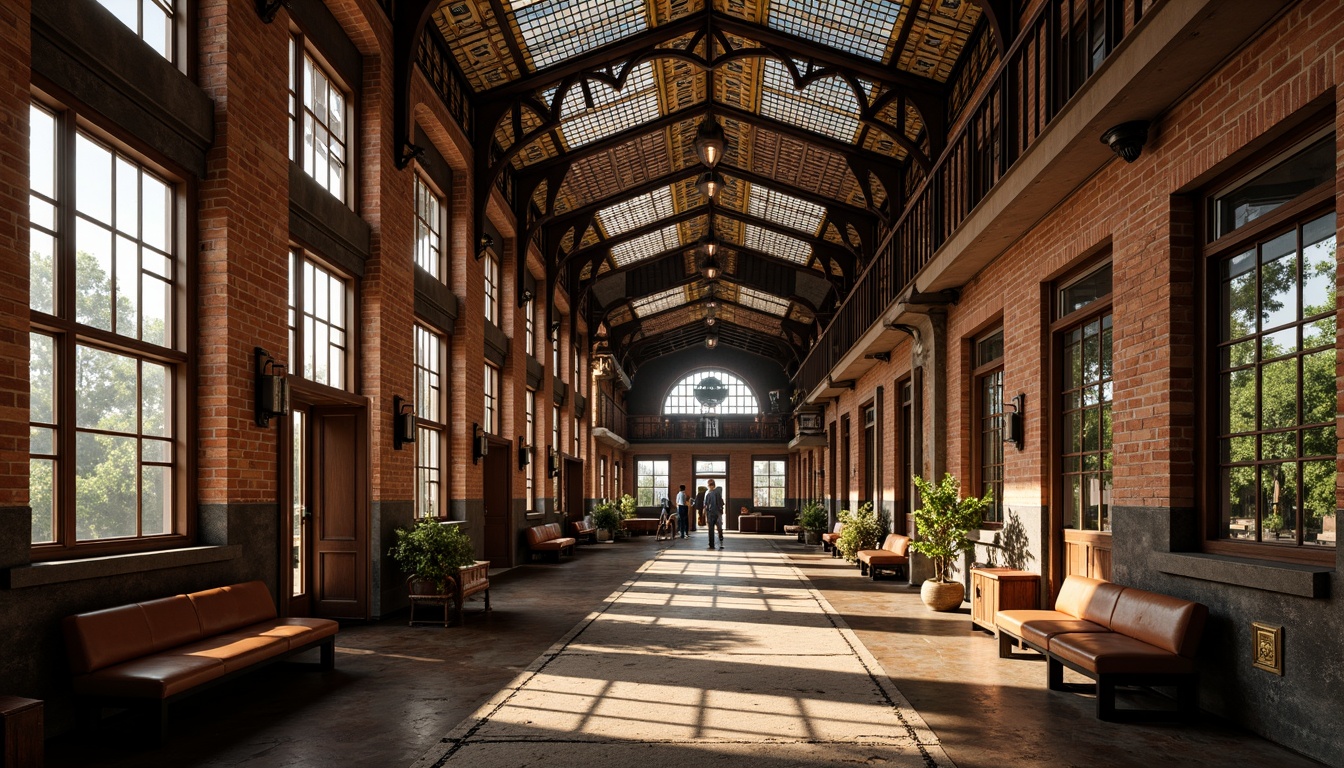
{"x":611,"y":111}
{"x":785,"y":209}
{"x":644,"y":246}
{"x":659,"y":302}
{"x":554,"y":30}
{"x":636,"y":212}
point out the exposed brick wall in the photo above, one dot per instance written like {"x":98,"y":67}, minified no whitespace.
{"x":14,"y":100}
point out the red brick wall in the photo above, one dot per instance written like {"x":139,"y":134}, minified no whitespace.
{"x":14,"y":100}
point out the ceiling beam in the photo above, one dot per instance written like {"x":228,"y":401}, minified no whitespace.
{"x":679,"y":253}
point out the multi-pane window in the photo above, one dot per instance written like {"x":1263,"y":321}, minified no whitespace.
{"x":431,"y":415}
{"x":737,"y":397}
{"x":107,"y":363}
{"x":577,"y":443}
{"x":530,"y":472}
{"x":555,"y":349}
{"x":319,"y":125}
{"x":1087,"y":392}
{"x":576,"y":379}
{"x":428,"y":229}
{"x":319,"y":338}
{"x":650,"y":482}
{"x":988,"y":415}
{"x":491,"y":399}
{"x":491,"y":265}
{"x":530,"y":331}
{"x":152,"y":20}
{"x":767,"y":482}
{"x":1276,"y":386}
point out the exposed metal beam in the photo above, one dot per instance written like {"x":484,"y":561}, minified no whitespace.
{"x":679,"y":253}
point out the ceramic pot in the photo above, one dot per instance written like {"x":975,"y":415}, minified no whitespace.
{"x":942,"y":596}
{"x":814,"y":537}
{"x":603,"y":535}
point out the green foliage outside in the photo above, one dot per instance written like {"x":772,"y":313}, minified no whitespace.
{"x":944,"y":522}
{"x":863,"y":530}
{"x":433,"y":551}
{"x":813,"y":516}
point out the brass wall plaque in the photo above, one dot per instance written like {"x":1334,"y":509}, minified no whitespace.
{"x":1267,"y":647}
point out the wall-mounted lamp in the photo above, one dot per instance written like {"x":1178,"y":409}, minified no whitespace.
{"x":553,"y":463}
{"x":1127,"y":139}
{"x":709,"y":183}
{"x":555,"y":329}
{"x":524,"y":453}
{"x":1013,"y":428}
{"x":480,"y":444}
{"x":485,"y":243}
{"x":528,"y":295}
{"x":710,"y":141}
{"x":272,"y":388}
{"x":403,"y":422}
{"x":267,"y":9}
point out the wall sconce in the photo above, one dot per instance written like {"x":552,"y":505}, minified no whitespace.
{"x":710,"y":142}
{"x":403,"y":422}
{"x":480,"y":444}
{"x":555,"y":330}
{"x":272,"y":388}
{"x":527,"y":295}
{"x":553,"y":464}
{"x":1127,"y":139}
{"x":709,"y":184}
{"x":1013,"y":428}
{"x":524,"y":454}
{"x":485,"y":243}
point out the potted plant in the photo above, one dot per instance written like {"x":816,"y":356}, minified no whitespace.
{"x":813,"y":521}
{"x":863,"y":530}
{"x":432,"y":553}
{"x":627,"y":506}
{"x":607,"y":519}
{"x":943,"y":523}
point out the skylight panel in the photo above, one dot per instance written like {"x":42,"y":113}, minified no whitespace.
{"x":785,"y":209}
{"x":644,"y":246}
{"x":636,"y":212}
{"x":826,"y":106}
{"x":862,"y":27}
{"x":750,"y":297}
{"x":658,"y":302}
{"x":613,"y":111}
{"x":554,"y":30}
{"x":775,"y":244}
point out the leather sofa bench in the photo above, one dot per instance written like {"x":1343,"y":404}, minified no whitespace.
{"x":584,"y":530}
{"x":893,"y":556}
{"x":153,"y":653}
{"x":828,"y":539}
{"x":641,"y":525}
{"x":548,"y":539}
{"x":1115,"y":635}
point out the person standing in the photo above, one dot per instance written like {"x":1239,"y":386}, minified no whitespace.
{"x":714,"y":512}
{"x":683,"y":514}
{"x":698,"y":506}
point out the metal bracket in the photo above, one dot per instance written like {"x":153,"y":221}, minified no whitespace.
{"x":408,"y":153}
{"x":267,"y":9}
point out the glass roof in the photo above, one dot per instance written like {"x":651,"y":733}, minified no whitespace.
{"x":658,"y":302}
{"x":784,"y":209}
{"x":862,"y":27}
{"x":765,"y":302}
{"x":826,"y":106}
{"x":637,"y":212}
{"x":644,"y":246}
{"x":775,"y":244}
{"x":554,"y":30}
{"x":612,"y":111}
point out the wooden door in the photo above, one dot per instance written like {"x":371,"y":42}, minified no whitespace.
{"x":338,"y":475}
{"x":498,"y":501}
{"x":573,"y":489}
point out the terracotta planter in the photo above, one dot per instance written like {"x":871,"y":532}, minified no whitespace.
{"x":813,"y":537}
{"x":942,"y":596}
{"x":603,"y":535}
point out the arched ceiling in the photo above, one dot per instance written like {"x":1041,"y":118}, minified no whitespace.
{"x":591,"y":107}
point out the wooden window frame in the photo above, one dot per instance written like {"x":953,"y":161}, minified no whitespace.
{"x":302,"y":49}
{"x":755,"y":478}
{"x":297,"y":344}
{"x":980,"y":372}
{"x":436,"y":430}
{"x":439,"y":270}
{"x":491,"y":271}
{"x":667,"y":488}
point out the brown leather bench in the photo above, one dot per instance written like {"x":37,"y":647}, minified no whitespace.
{"x":548,"y":539}
{"x":584,"y":530}
{"x":828,"y":539}
{"x":1115,"y":635}
{"x":156,"y":652}
{"x":893,"y":556}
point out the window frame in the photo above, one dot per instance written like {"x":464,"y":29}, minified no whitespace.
{"x":979,"y":373}
{"x":423,"y":185}
{"x":429,"y":431}
{"x":491,"y":384}
{"x":655,"y":459}
{"x":730,"y":379}
{"x":491,"y":273}
{"x":530,"y":435}
{"x":783,"y":477}
{"x":1292,"y":214}
{"x":70,"y":335}
{"x":181,"y":45}
{"x":298,"y":345}
{"x":301,"y":49}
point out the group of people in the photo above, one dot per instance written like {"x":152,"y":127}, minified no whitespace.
{"x":707,"y":500}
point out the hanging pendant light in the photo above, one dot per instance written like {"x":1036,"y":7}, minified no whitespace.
{"x":710,"y":268}
{"x":710,"y":143}
{"x":709,"y":184}
{"x":709,"y":246}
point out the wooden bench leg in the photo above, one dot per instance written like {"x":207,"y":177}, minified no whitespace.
{"x":327,"y":654}
{"x":487,"y":599}
{"x":1105,"y":698}
{"x":1187,"y":694}
{"x":1054,"y":674}
{"x":1005,"y":645}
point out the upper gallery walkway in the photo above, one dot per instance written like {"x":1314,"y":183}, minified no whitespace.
{"x":766,"y":653}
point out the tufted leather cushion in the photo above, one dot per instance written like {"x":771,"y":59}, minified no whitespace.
{"x":226,"y":608}
{"x":1170,"y":623}
{"x":1109,"y":653}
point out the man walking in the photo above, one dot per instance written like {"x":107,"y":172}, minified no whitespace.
{"x":683,"y":514}
{"x":714,"y":512}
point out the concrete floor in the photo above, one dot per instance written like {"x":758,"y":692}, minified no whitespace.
{"x":397,"y":691}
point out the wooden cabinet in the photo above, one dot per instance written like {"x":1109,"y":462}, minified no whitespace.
{"x":1001,"y":589}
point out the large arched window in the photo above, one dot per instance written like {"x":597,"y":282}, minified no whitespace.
{"x":740,"y":399}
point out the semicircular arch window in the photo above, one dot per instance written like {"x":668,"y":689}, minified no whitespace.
{"x":738,"y":398}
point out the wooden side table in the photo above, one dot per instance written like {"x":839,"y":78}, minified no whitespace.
{"x":1001,"y":589}
{"x":21,"y":732}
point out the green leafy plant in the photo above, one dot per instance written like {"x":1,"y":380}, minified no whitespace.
{"x":813,"y":517}
{"x":433,"y":551}
{"x":607,"y":516}
{"x":1274,"y":523}
{"x":863,"y":530}
{"x":627,"y":506}
{"x":945,"y":521}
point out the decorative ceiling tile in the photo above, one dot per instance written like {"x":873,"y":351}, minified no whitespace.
{"x":747,"y":10}
{"x":671,"y":10}
{"x":552,"y":31}
{"x":937,"y":36}
{"x":861,"y":27}
{"x":629,"y":165}
{"x":477,"y":41}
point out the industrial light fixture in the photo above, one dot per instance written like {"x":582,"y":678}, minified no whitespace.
{"x":480,"y":444}
{"x":710,"y":142}
{"x":712,"y":341}
{"x":524,"y":453}
{"x":528,"y":295}
{"x":553,"y":463}
{"x":709,"y":183}
{"x":1127,"y":139}
{"x":710,"y":320}
{"x":710,"y":266}
{"x":272,"y":389}
{"x":1013,"y":427}
{"x":709,"y":246}
{"x":403,"y":422}
{"x":485,"y":243}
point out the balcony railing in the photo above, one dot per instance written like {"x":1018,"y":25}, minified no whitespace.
{"x":437,"y":62}
{"x":610,"y":415}
{"x":1056,"y":52}
{"x":768,"y":429}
